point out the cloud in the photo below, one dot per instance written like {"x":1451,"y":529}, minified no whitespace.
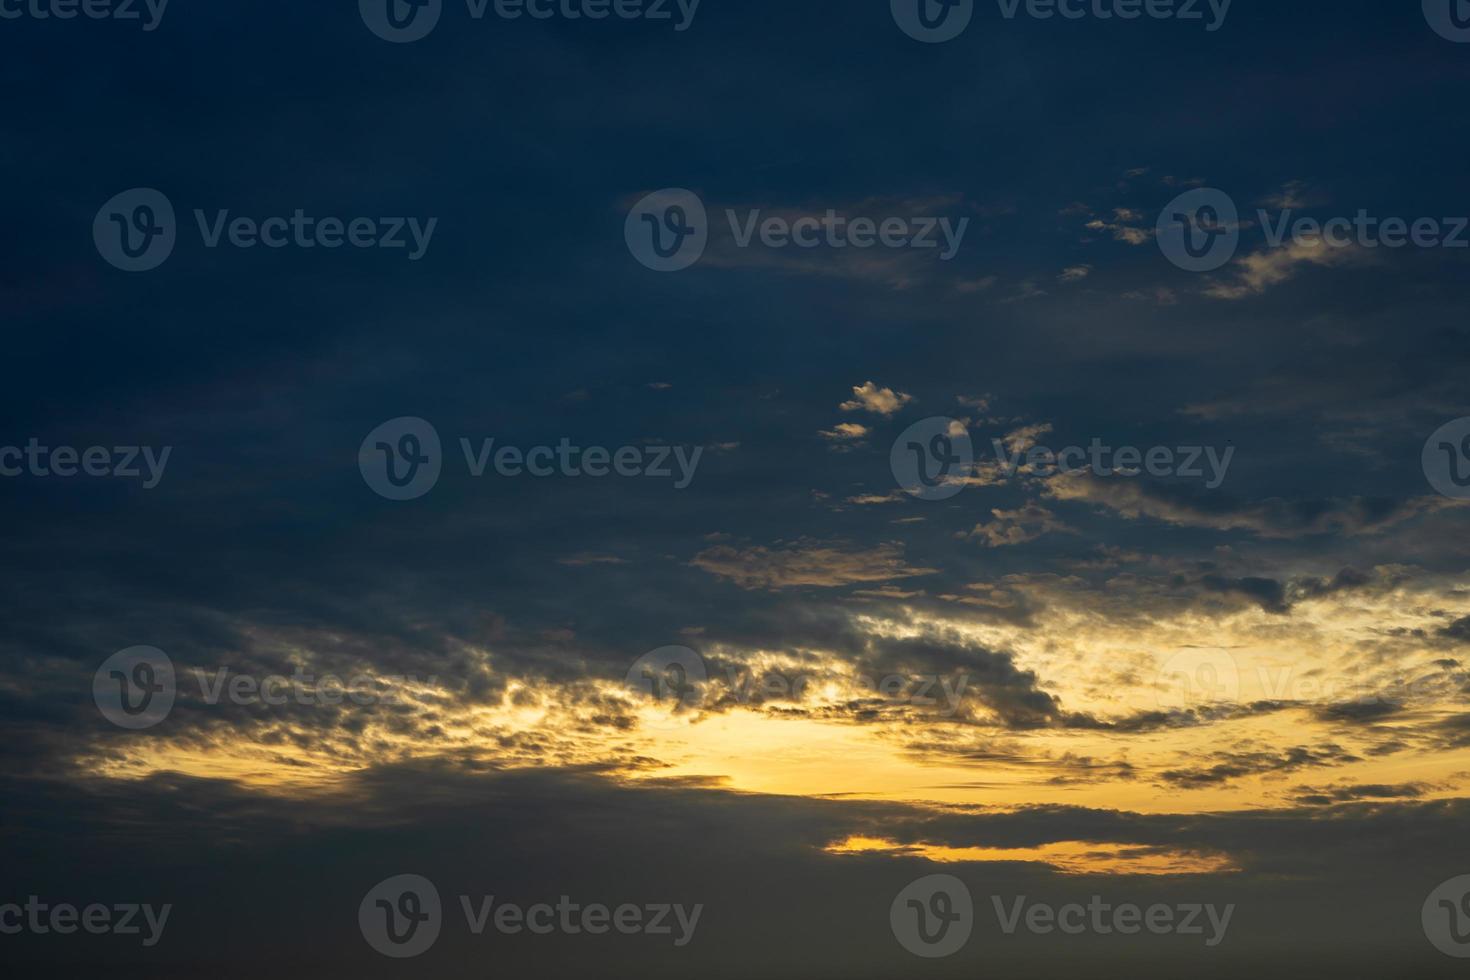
{"x":1013,"y":527}
{"x":1022,"y":439}
{"x":845,"y":432}
{"x":806,"y":562}
{"x":1237,"y":765}
{"x":873,"y":499}
{"x":1268,"y":593}
{"x":869,"y":397}
{"x":1307,"y":796}
{"x":532,"y":835}
{"x":979,"y":285}
{"x":1025,"y":290}
{"x":1458,"y":631}
{"x":591,"y":558}
{"x":1121,"y":230}
{"x":1294,"y":194}
{"x":1274,"y":517}
{"x":1259,"y":271}
{"x":1158,"y":295}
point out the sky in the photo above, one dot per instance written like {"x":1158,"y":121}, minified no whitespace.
{"x":519,"y":468}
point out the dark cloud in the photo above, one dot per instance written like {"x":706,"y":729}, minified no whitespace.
{"x":752,"y":861}
{"x":1306,"y":796}
{"x":1229,"y":766}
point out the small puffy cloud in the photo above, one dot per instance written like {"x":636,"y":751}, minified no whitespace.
{"x":1021,"y":440}
{"x":1012,"y":527}
{"x":875,"y":499}
{"x":1121,"y":229}
{"x":868,"y":397}
{"x":845,"y":432}
{"x":1074,"y":273}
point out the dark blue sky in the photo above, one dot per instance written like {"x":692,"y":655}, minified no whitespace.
{"x":527,"y":320}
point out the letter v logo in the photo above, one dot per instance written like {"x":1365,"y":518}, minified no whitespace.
{"x":932,"y":21}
